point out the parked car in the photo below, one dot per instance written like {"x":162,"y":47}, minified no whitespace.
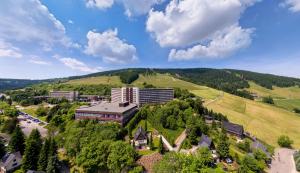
{"x":228,"y":161}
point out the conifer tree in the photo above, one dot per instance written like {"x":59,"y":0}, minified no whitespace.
{"x":52,"y":165}
{"x":151,"y":142}
{"x":43,"y":158}
{"x":160,"y":146}
{"x":17,"y":142}
{"x":32,"y":151}
{"x":223,"y":147}
{"x":2,"y":149}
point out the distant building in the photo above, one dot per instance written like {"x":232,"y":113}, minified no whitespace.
{"x":69,"y":95}
{"x":140,"y":137}
{"x":142,"y":96}
{"x":92,"y":98}
{"x":118,"y":112}
{"x":205,"y":141}
{"x":10,"y":162}
{"x":234,"y":129}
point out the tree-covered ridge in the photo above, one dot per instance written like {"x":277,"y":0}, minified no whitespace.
{"x":6,"y":84}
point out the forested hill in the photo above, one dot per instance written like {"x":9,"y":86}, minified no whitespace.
{"x":8,"y":84}
{"x":229,"y":80}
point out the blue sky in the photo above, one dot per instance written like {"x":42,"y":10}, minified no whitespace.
{"x":45,"y":39}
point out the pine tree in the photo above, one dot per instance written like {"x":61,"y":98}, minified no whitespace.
{"x":17,"y":142}
{"x":32,"y":151}
{"x":52,"y":165}
{"x":223,"y":147}
{"x":52,"y":148}
{"x":160,"y":146}
{"x":43,"y":158}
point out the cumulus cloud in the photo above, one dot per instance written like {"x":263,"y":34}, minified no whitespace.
{"x":9,"y":51}
{"x":203,"y":24}
{"x":292,"y":5}
{"x":224,"y":44}
{"x":76,"y":64}
{"x":31,"y":22}
{"x":132,"y":7}
{"x":110,"y":48}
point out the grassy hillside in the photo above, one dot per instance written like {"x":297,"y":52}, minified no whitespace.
{"x":287,"y":98}
{"x":262,"y":120}
{"x":108,"y":80}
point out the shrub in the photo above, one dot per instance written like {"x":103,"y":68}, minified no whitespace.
{"x":268,"y":100}
{"x":285,"y":141}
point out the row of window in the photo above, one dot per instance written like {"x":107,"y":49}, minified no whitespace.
{"x":99,"y":115}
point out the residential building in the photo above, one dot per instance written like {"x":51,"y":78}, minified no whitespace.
{"x":10,"y":162}
{"x":69,"y":95}
{"x":105,"y":111}
{"x":234,"y":129}
{"x":140,"y":137}
{"x":205,"y":141}
{"x":142,"y":96}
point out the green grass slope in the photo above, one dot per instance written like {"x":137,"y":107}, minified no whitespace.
{"x":108,"y":80}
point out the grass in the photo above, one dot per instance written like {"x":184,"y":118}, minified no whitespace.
{"x":289,"y":104}
{"x":264,"y":121}
{"x":31,"y":111}
{"x":107,"y":80}
{"x":277,"y":92}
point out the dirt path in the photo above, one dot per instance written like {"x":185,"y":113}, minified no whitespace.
{"x":283,"y":161}
{"x":214,"y":100}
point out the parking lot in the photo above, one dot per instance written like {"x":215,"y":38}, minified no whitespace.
{"x":28,"y":123}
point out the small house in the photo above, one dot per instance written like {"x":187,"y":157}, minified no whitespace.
{"x":10,"y":162}
{"x":234,"y":129}
{"x":140,"y":137}
{"x":205,"y":141}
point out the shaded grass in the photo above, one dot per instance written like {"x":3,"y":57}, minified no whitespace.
{"x":289,"y":104}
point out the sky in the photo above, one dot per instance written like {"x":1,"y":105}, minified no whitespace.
{"x":42,"y":39}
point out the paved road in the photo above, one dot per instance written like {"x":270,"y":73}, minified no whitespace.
{"x":179,"y":140}
{"x":283,"y":161}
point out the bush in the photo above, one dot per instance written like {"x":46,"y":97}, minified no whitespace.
{"x":268,"y":100}
{"x":297,"y":110}
{"x":285,"y":141}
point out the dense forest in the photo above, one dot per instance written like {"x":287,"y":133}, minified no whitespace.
{"x":6,"y":84}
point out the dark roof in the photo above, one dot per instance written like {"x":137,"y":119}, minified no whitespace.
{"x":8,"y":157}
{"x":258,"y":145}
{"x":233,"y":128}
{"x":140,"y":134}
{"x":32,"y":171}
{"x":205,"y":141}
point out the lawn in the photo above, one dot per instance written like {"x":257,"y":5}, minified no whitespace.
{"x":107,"y":80}
{"x":289,"y":104}
{"x":264,"y":121}
{"x":277,"y":92}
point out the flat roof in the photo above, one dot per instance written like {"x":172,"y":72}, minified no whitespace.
{"x":108,"y":107}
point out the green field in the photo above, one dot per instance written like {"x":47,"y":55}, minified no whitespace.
{"x":108,"y":80}
{"x":286,"y":98}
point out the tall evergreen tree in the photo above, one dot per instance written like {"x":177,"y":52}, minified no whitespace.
{"x":223,"y":147}
{"x":52,"y":166}
{"x":32,"y":151}
{"x":146,"y":126}
{"x":43,"y":158}
{"x":52,"y":148}
{"x":151,"y":142}
{"x":17,"y":142}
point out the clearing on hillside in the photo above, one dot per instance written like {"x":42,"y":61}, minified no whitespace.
{"x":106,"y":80}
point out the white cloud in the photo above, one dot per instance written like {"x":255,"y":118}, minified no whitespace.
{"x":224,"y":44}
{"x":39,"y":61}
{"x":70,"y":21}
{"x":132,"y":7}
{"x":101,"y":4}
{"x":76,"y":64}
{"x":31,"y":22}
{"x":292,"y":5}
{"x":203,"y":24}
{"x":110,"y":48}
{"x":9,"y":51}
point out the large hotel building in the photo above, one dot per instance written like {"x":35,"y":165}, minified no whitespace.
{"x":69,"y":95}
{"x":141,"y":96}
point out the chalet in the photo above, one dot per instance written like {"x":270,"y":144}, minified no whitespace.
{"x":140,"y":137}
{"x":10,"y":162}
{"x":205,"y":141}
{"x":234,"y":129}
